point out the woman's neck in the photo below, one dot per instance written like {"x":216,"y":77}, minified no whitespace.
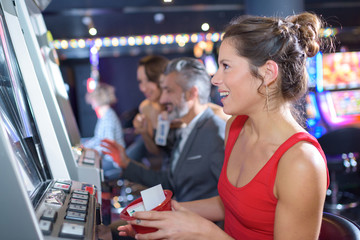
{"x":274,"y":123}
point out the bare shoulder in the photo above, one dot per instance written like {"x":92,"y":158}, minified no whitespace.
{"x":303,"y":155}
{"x":149,"y":108}
{"x":302,"y":166}
{"x":144,"y":105}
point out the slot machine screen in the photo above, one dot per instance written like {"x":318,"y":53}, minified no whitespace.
{"x":341,"y":70}
{"x":346,"y":103}
{"x":15,"y":114}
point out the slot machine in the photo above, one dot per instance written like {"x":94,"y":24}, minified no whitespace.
{"x":339,"y":104}
{"x":339,"y":96}
{"x":316,"y":125}
{"x":83,"y":165}
{"x":39,"y":200}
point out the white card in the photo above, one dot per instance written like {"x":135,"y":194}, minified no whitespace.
{"x":153,"y":197}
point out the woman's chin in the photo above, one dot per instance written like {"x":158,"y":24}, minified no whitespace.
{"x":227,"y":111}
{"x":152,"y":99}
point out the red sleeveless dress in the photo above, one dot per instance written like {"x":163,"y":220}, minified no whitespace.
{"x":250,"y":210}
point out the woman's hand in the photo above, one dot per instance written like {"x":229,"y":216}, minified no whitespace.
{"x":177,"y":224}
{"x":116,"y":151}
{"x":140,"y":124}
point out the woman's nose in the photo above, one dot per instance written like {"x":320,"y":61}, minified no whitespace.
{"x":215,"y":79}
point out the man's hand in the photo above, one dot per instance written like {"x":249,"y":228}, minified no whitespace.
{"x":116,"y":151}
{"x":126,"y":230}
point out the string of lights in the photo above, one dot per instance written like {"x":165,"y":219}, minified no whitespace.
{"x":180,"y":39}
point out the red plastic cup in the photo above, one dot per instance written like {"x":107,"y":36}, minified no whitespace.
{"x":164,"y":206}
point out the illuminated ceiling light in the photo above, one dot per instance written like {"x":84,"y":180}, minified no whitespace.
{"x":73,"y":43}
{"x":169,"y":39}
{"x":138,"y":40}
{"x":205,"y":27}
{"x":159,"y":17}
{"x":154,"y":39}
{"x":98,"y":42}
{"x":123,"y":41}
{"x":194,"y":38}
{"x":167,"y":1}
{"x":56,"y":44}
{"x":202,"y":44}
{"x":115,"y":42}
{"x":186,"y":38}
{"x":178,"y":38}
{"x":94,"y":50}
{"x":86,"y":20}
{"x":92,"y":31}
{"x":147,"y":40}
{"x":181,"y":43}
{"x":106,"y":42}
{"x":163,"y":39}
{"x":81,"y":43}
{"x":64,"y":44}
{"x":215,"y":37}
{"x":131,"y":41}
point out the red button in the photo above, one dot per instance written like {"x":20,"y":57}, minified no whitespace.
{"x":89,"y":189}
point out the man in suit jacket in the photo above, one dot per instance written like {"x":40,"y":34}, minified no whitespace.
{"x":198,"y":155}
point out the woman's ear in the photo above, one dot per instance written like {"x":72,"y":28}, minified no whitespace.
{"x":270,"y":72}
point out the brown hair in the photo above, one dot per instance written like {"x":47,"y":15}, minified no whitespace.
{"x":154,"y":67}
{"x":286,"y":41}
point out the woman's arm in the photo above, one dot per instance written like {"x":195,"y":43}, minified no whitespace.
{"x":211,"y":208}
{"x":180,"y":223}
{"x":149,"y":142}
{"x":300,"y":187}
{"x":144,"y":125}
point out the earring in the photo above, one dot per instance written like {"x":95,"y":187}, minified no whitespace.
{"x":267,"y":98}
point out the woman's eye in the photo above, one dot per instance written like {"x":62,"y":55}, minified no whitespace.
{"x":225,"y":66}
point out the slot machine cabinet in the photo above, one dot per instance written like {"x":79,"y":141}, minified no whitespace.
{"x":39,"y":200}
{"x":333,"y":100}
{"x":82,"y":165}
{"x":16,"y":57}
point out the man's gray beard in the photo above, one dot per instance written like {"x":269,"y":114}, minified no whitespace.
{"x":178,"y":112}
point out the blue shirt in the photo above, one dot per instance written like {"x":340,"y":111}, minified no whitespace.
{"x":108,"y":126}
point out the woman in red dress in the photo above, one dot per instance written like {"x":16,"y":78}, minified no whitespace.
{"x":274,"y":178}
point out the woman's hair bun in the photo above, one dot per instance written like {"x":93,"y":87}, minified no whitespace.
{"x":307,"y":26}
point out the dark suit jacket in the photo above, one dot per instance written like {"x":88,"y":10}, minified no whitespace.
{"x":198,"y":167}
